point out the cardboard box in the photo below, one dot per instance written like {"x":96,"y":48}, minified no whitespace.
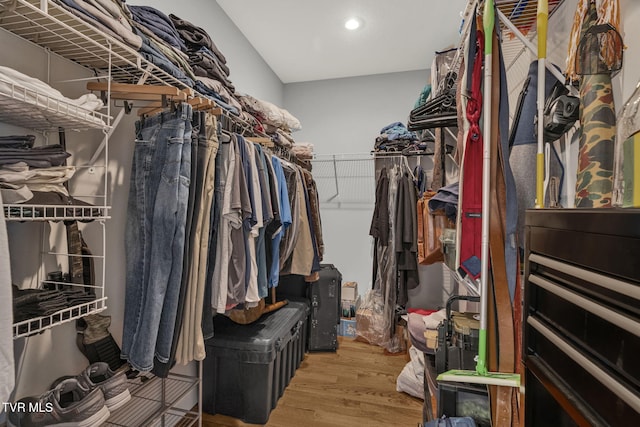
{"x":348,"y":328}
{"x":349,"y":291}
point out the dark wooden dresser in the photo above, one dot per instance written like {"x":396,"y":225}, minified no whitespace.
{"x":582,"y":317}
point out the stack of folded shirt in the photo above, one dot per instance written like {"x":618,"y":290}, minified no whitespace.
{"x":394,"y":137}
{"x":25,"y":168}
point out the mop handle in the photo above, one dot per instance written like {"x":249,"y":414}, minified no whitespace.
{"x":488,"y":21}
{"x":541,"y":23}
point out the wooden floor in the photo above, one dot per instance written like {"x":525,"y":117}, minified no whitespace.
{"x":356,"y":386}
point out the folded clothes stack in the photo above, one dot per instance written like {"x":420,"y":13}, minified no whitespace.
{"x":35,"y":91}
{"x":209,"y":65}
{"x":161,"y":42}
{"x":107,"y":15}
{"x":303,"y":150}
{"x":32,"y":303}
{"x":270,"y":114}
{"x":395,"y":137}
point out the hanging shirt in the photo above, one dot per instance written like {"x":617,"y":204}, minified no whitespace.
{"x":291,"y":234}
{"x":301,"y":259}
{"x":285,"y":218}
{"x":228,"y":217}
{"x":239,"y":266}
{"x":267,"y":217}
{"x":252,"y":297}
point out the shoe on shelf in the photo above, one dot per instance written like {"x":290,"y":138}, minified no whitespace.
{"x":69,"y":404}
{"x":114,"y":385}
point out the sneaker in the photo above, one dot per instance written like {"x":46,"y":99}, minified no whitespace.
{"x":114,"y":385}
{"x":69,"y":404}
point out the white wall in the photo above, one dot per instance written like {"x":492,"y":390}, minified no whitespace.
{"x":54,"y":353}
{"x":345,"y":116}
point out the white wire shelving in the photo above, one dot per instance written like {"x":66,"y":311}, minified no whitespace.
{"x":28,"y":212}
{"x":49,"y":25}
{"x":147,"y":407}
{"x":39,"y":324}
{"x":32,"y":109}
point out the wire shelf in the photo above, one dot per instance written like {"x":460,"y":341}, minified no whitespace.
{"x":25,"y":212}
{"x":344,"y":178}
{"x":523,"y":15}
{"x":49,"y":25}
{"x":146,"y":407}
{"x":35,"y":110}
{"x":39,"y":324}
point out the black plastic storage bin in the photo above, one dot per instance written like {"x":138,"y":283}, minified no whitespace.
{"x":248,"y":367}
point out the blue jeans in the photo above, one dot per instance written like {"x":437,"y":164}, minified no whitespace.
{"x":154,"y":235}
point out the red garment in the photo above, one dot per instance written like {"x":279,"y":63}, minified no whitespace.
{"x":420,"y":311}
{"x":471,"y":204}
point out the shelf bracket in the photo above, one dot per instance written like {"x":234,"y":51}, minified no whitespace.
{"x":114,"y":125}
{"x":507,"y":22}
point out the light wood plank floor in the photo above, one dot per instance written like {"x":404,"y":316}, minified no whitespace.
{"x":356,"y":386}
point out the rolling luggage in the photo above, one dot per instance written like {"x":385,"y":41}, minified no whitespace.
{"x":325,"y":309}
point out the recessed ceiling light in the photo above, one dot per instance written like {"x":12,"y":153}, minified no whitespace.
{"x":352,"y":24}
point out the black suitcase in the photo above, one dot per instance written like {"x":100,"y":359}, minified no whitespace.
{"x":325,"y":309}
{"x":292,"y":285}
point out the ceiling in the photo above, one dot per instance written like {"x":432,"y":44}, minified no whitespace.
{"x":304,"y":40}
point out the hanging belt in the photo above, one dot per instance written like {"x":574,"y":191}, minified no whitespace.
{"x":502,"y":396}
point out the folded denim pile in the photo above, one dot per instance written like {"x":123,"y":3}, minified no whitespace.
{"x":33,"y":303}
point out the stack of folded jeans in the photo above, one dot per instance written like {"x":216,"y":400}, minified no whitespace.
{"x":206,"y":64}
{"x":207,"y":61}
{"x":19,"y":148}
{"x":150,"y":51}
{"x":159,"y":24}
{"x":161,"y":43}
{"x":195,"y":38}
{"x":32,"y":303}
{"x":17,"y":141}
{"x":210,"y":93}
{"x":106,"y":15}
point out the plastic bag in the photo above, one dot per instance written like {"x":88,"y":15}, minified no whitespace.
{"x":373,"y":323}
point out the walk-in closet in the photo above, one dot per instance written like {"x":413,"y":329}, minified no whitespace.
{"x":281,"y":213}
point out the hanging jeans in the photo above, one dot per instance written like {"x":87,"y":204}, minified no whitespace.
{"x":154,"y":235}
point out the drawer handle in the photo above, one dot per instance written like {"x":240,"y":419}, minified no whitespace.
{"x":618,"y":389}
{"x":614,"y":317}
{"x":621,"y":287}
